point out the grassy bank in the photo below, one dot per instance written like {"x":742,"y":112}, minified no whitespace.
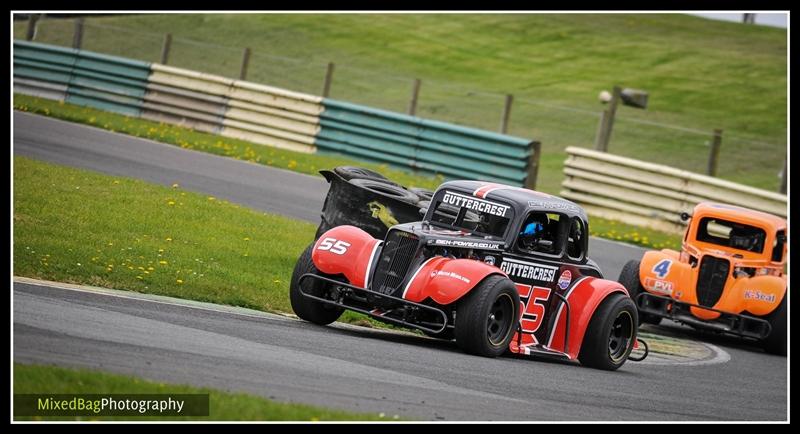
{"x":30,"y":379}
{"x":81,"y":227}
{"x":700,"y":74}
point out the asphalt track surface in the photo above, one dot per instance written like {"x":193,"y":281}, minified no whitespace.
{"x":343,"y":366}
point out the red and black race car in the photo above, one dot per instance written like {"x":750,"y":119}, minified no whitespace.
{"x":497,"y":268}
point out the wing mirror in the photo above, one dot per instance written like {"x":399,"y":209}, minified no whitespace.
{"x":685,"y":216}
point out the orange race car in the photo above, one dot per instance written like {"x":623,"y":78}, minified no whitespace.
{"x":728,"y":276}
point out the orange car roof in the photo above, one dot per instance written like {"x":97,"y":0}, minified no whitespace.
{"x":742,"y":215}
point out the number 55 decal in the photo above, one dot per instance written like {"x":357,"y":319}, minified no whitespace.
{"x":532,"y":310}
{"x":337,"y":247}
{"x":662,"y":268}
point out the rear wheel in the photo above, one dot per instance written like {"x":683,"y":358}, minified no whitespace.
{"x":775,"y":343}
{"x":384,"y":189}
{"x":611,"y":334}
{"x":423,"y":193}
{"x":485,"y":318}
{"x":353,"y":172}
{"x":629,"y":278}
{"x":306,"y":308}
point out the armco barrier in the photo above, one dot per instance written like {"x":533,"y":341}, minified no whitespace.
{"x":80,"y":77}
{"x":187,"y":98}
{"x":423,"y":145}
{"x":271,"y":116}
{"x":651,"y":195}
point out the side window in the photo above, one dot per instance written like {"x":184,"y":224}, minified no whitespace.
{"x":540,"y":234}
{"x":777,"y":249}
{"x":576,"y":238}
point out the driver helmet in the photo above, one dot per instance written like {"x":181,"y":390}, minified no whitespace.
{"x":532,"y":230}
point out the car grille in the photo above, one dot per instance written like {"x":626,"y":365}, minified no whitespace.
{"x":711,"y":280}
{"x":396,"y":257}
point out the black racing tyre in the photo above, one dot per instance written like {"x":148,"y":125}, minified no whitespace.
{"x":423,"y":193}
{"x":390,"y":190}
{"x":611,"y":334}
{"x":486,"y":318}
{"x":775,"y":343}
{"x":322,"y":228}
{"x":629,"y":278}
{"x":353,"y":172}
{"x":306,"y":308}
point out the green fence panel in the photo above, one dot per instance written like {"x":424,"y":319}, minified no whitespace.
{"x":426,"y":146}
{"x":96,"y":80}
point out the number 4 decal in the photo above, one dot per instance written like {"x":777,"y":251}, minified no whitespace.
{"x":335,"y":246}
{"x":662,"y":268}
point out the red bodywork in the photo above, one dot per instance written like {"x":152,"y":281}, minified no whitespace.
{"x":349,"y":251}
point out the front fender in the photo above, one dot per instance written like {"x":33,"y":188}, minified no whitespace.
{"x":758,"y":295}
{"x":346,"y":250}
{"x":662,"y":273}
{"x":584,"y":297}
{"x":446,"y":280}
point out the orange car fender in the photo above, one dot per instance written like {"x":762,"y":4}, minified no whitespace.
{"x":758,"y":295}
{"x":584,"y":297}
{"x":346,"y":250}
{"x":446,"y":280}
{"x":662,"y":273}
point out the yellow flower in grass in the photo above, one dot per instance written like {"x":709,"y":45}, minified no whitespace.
{"x":179,"y":281}
{"x":162,"y":262}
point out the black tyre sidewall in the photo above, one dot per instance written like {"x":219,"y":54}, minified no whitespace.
{"x":388,"y":190}
{"x":776,"y":342}
{"x":594,"y":349}
{"x":629,"y":278}
{"x":303,"y":307}
{"x":472,"y":313}
{"x":354,"y":172}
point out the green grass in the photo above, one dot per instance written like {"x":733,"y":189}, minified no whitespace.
{"x":30,"y":379}
{"x":190,"y":139}
{"x":643,"y":237}
{"x":701,"y":74}
{"x":80,"y":227}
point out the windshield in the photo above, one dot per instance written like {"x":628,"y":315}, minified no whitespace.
{"x":730,"y":234}
{"x":479,"y":216}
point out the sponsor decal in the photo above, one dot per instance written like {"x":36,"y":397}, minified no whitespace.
{"x":565,"y":279}
{"x":479,"y":205}
{"x":449,"y":274}
{"x":552,"y":205}
{"x":527,"y":270}
{"x":754,"y":294}
{"x":657,"y":285}
{"x":467,"y":244}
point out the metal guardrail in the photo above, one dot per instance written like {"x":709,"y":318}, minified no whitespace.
{"x":80,"y":77}
{"x":423,"y":145}
{"x":271,"y":116}
{"x":651,"y":195}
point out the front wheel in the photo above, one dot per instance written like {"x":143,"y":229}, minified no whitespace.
{"x":629,"y":278}
{"x":306,"y":308}
{"x":485,"y":318}
{"x":775,"y":343}
{"x":611,"y":334}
